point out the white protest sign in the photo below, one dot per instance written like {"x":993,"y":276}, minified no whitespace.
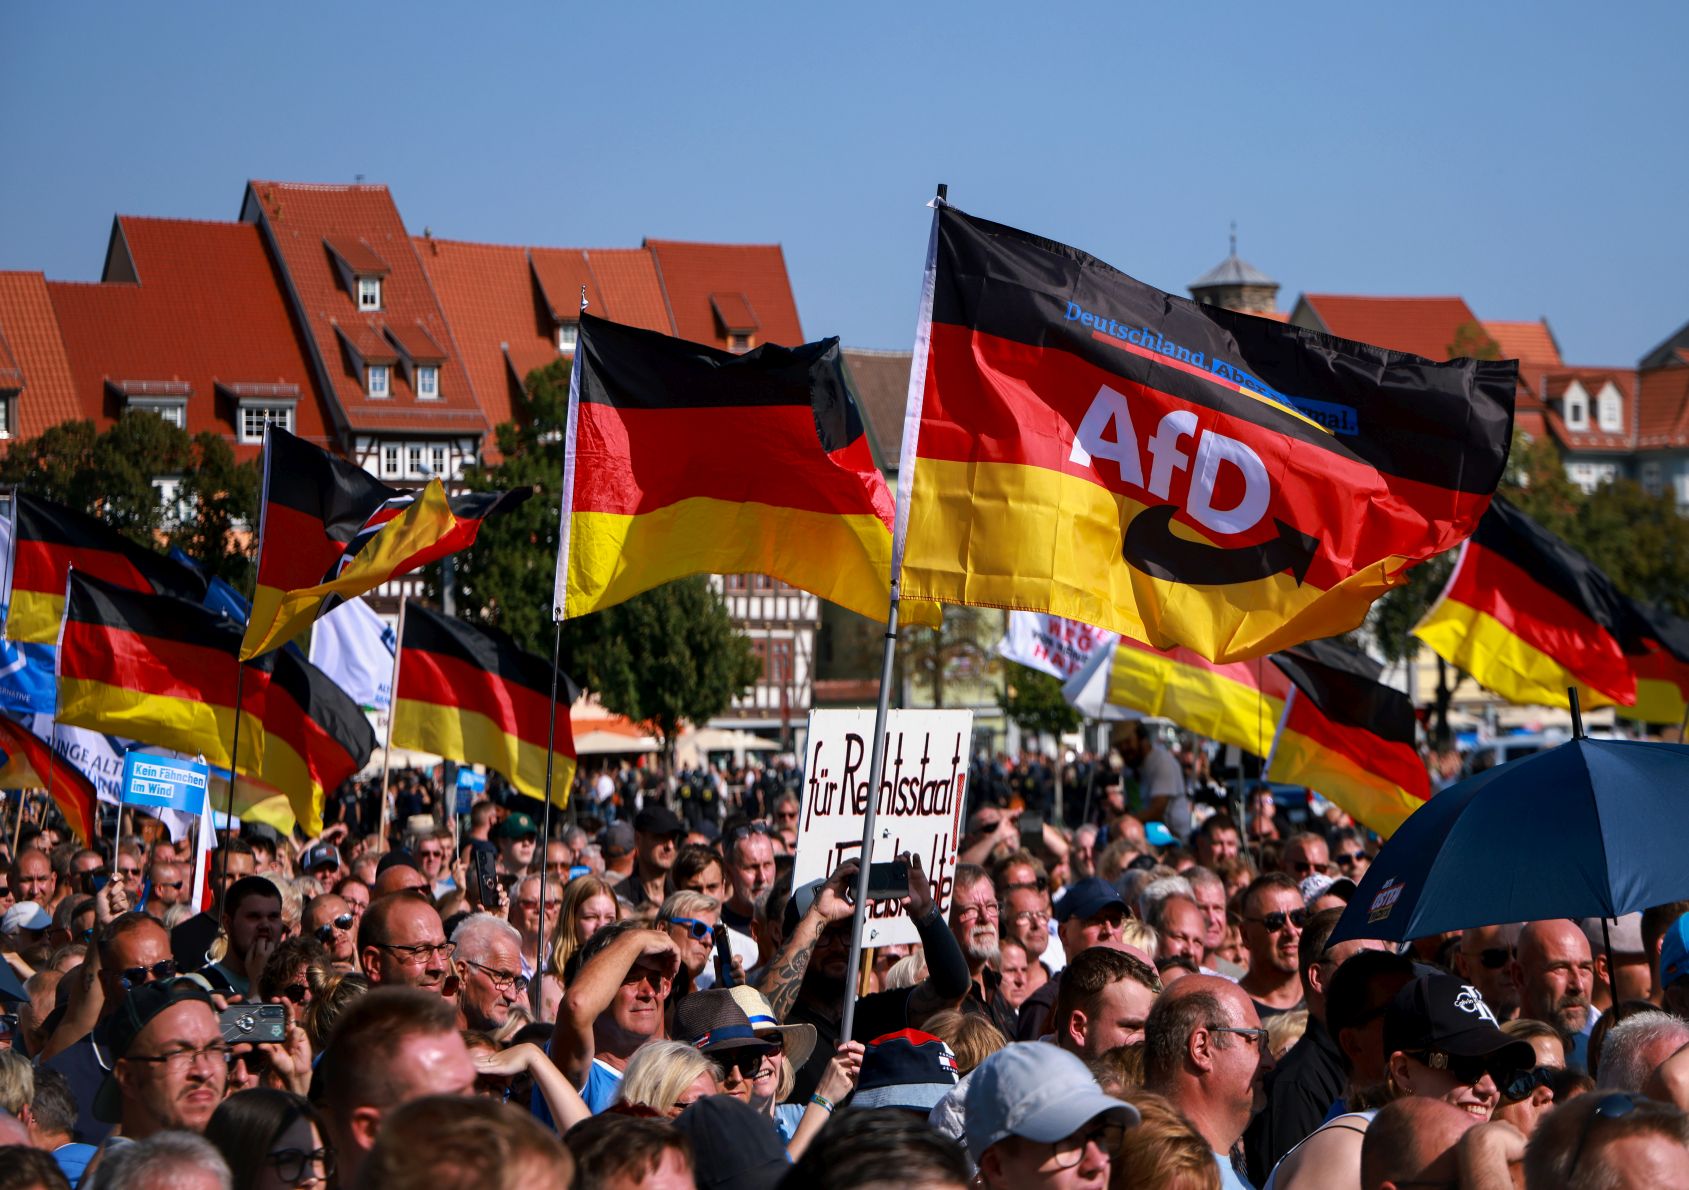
{"x":923,"y":790}
{"x":1057,"y":646}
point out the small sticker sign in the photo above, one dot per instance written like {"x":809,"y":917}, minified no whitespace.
{"x":1385,"y":901}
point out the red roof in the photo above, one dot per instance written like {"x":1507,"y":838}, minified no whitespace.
{"x":733,"y":313}
{"x":1428,"y":327}
{"x":416,"y":343}
{"x":1531,"y":343}
{"x":562,"y":275}
{"x":29,"y":331}
{"x":357,"y":256}
{"x":1663,"y":408}
{"x":297,"y":219}
{"x":693,"y":274}
{"x":1554,"y":385}
{"x":206,"y":314}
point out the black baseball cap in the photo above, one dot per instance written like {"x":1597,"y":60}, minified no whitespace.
{"x":658,"y":820}
{"x":1088,"y":898}
{"x":396,"y":858}
{"x":1443,"y":1017}
{"x":118,"y":1032}
{"x":320,"y":855}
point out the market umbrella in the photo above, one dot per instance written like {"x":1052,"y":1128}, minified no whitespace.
{"x":1591,"y":828}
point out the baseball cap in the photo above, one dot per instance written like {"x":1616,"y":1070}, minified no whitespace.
{"x":320,"y":855}
{"x":658,"y":820}
{"x":1034,"y":1090}
{"x":618,"y":835}
{"x":803,"y":896}
{"x":1157,"y":834}
{"x":1625,"y":932}
{"x":733,"y":1148}
{"x":518,"y":825}
{"x":908,"y":1069}
{"x":25,"y":915}
{"x":1674,"y":952}
{"x":1319,"y":884}
{"x":1087,"y":899}
{"x":119,"y":1030}
{"x":1444,"y":1017}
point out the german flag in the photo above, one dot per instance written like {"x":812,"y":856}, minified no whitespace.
{"x":163,"y":671}
{"x":680,"y":459}
{"x":1528,"y":616}
{"x":473,"y":695}
{"x":1237,"y":703}
{"x":30,"y":763}
{"x":335,"y":532}
{"x":1348,"y":736}
{"x":1091,"y":447}
{"x":49,"y":539}
{"x":1662,"y":665}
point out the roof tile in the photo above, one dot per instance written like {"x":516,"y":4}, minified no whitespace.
{"x":30,"y":329}
{"x":692,"y":273}
{"x":1424,"y":326}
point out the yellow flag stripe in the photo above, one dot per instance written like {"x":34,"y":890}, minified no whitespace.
{"x":1374,"y":803}
{"x":1499,"y":660}
{"x":175,"y":723}
{"x":473,"y":738}
{"x":1196,"y":699}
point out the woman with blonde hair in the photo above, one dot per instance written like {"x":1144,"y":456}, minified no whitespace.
{"x":589,"y":904}
{"x":971,"y":1037}
{"x":1163,"y":1152}
{"x":667,"y":1077}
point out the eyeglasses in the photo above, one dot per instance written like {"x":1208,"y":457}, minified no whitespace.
{"x":1275,"y":920}
{"x":975,"y":912}
{"x":430,"y":853}
{"x":1259,"y":1036}
{"x":786,"y":815}
{"x":748,"y":829}
{"x":1032,"y":917}
{"x":747,"y":1061}
{"x":135,"y":976}
{"x":1522,"y":1084}
{"x":296,"y":992}
{"x":1305,"y":867}
{"x":326,"y":930}
{"x":1106,"y":1136}
{"x":1348,"y":859}
{"x":1495,"y":957}
{"x":533,"y":903}
{"x":699,"y":930}
{"x":129,"y":873}
{"x":291,"y":1165}
{"x":178,"y":1060}
{"x":502,"y":981}
{"x":421,"y":952}
{"x":1041,"y":884}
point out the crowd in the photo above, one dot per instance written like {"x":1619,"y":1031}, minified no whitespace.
{"x":647,"y":1001}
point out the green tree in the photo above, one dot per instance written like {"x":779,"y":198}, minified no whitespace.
{"x":666,"y":656}
{"x":1033,"y":700}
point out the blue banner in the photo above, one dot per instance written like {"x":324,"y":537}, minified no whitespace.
{"x":160,"y":782}
{"x":27,"y":684}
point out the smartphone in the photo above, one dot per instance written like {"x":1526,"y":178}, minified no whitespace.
{"x":1031,"y":830}
{"x":888,"y":881}
{"x":486,"y":879}
{"x":256,"y":1023}
{"x":723,"y":958}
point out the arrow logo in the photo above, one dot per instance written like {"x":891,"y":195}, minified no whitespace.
{"x":1151,"y":546}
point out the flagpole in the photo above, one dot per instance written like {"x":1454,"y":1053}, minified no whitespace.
{"x":877,"y":761}
{"x":545,"y":815}
{"x":234,"y":776}
{"x":392,"y":710}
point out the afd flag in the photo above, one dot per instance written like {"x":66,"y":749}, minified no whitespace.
{"x":354,"y":647}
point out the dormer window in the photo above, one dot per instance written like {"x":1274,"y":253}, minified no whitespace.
{"x":427,"y":382}
{"x":738,"y":344}
{"x":1577,"y":407}
{"x":167,"y":399}
{"x":369,"y":293}
{"x":378,"y":381}
{"x":568,"y":334}
{"x":1610,"y":410}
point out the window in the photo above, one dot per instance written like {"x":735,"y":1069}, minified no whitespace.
{"x":6,"y":415}
{"x":733,"y":582}
{"x":1610,"y":412}
{"x":378,"y":381}
{"x":415,"y":460}
{"x":737,"y":342}
{"x":253,"y":419}
{"x":568,"y":334}
{"x":437,"y":461}
{"x":390,"y":460}
{"x":1577,"y":408}
{"x":176,"y":507}
{"x":369,"y":293}
{"x":427,"y":382}
{"x":174,"y":412}
{"x":1651,"y":477}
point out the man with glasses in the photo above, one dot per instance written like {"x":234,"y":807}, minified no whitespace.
{"x":401,"y":942}
{"x":525,"y":916}
{"x":785,"y":816}
{"x":434,"y":855}
{"x":488,"y":961}
{"x":1348,"y":852}
{"x":690,"y":919}
{"x":1036,"y":1118}
{"x":169,"y":1062}
{"x":1273,"y":917}
{"x":1304,"y":855}
{"x":1484,"y":959}
{"x":1026,"y":918}
{"x":974,"y":924}
{"x":1609,"y":1140}
{"x":1206,"y":1051}
{"x":169,"y":886}
{"x":656,"y":837}
{"x":330,"y":920}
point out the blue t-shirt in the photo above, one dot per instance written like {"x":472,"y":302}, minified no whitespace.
{"x":602,"y":1083}
{"x":1229,"y":1179}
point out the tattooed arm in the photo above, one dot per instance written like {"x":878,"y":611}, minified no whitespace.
{"x":785,"y":975}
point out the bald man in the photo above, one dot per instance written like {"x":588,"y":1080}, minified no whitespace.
{"x":1556,"y":975}
{"x":1411,"y":1142}
{"x":402,"y":942}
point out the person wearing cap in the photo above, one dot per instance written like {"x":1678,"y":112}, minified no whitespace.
{"x":517,"y":837}
{"x":1443,"y":1042}
{"x":1632,"y":975}
{"x":1273,"y":917}
{"x":1556,"y":973}
{"x":1036,"y":1118}
{"x":732,"y":1146}
{"x":656,"y":838}
{"x":617,"y":843}
{"x":1321,"y":892}
{"x":1205,"y":1050}
{"x":24,"y":924}
{"x":713,"y":1023}
{"x":909,"y":1070}
{"x":1672,"y":986}
{"x":169,"y":1062}
{"x":252,"y":925}
{"x":790,"y":1047}
{"x":1090,"y":913}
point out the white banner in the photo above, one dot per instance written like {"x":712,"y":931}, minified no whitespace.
{"x":1087,"y":691}
{"x":1055,"y":645}
{"x":99,"y":757}
{"x":354,"y":647}
{"x":923,"y":792}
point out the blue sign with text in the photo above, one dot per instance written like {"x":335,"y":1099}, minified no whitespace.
{"x":159,"y":782}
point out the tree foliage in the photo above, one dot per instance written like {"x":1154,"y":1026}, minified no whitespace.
{"x":1033,"y":700}
{"x":110,"y":475}
{"x":663,"y":657}
{"x":930,"y":657}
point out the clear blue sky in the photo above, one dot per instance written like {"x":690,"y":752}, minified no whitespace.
{"x":1528,"y":157}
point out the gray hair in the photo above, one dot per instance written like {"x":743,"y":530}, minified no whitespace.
{"x":1157,"y":891}
{"x":687,"y":903}
{"x":1628,"y":1053}
{"x":475,"y":935}
{"x":162,"y":1161}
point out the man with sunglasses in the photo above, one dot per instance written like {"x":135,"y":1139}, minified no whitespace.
{"x":1612,"y":1140}
{"x":488,"y":961}
{"x":330,"y":920}
{"x":690,"y":919}
{"x":169,"y":886}
{"x":1484,"y":958}
{"x":1273,"y":917}
{"x":614,"y":1005}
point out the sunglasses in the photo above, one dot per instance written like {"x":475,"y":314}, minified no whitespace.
{"x":135,"y":976}
{"x":699,"y":930}
{"x":747,"y":1061}
{"x":326,"y":930}
{"x":296,"y":992}
{"x":1348,"y":859}
{"x":1275,"y":920}
{"x":1468,"y":1071}
{"x":178,"y":885}
{"x":1522,"y":1084}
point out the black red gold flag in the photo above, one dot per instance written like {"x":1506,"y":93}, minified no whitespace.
{"x":1085,"y":445}
{"x":30,"y":764}
{"x":1660,"y":661}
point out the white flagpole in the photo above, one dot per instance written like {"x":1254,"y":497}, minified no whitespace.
{"x":392,"y":710}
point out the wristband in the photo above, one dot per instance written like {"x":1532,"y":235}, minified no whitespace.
{"x":821,"y":1101}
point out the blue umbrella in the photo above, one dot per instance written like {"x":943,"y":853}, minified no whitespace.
{"x":1593,"y":828}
